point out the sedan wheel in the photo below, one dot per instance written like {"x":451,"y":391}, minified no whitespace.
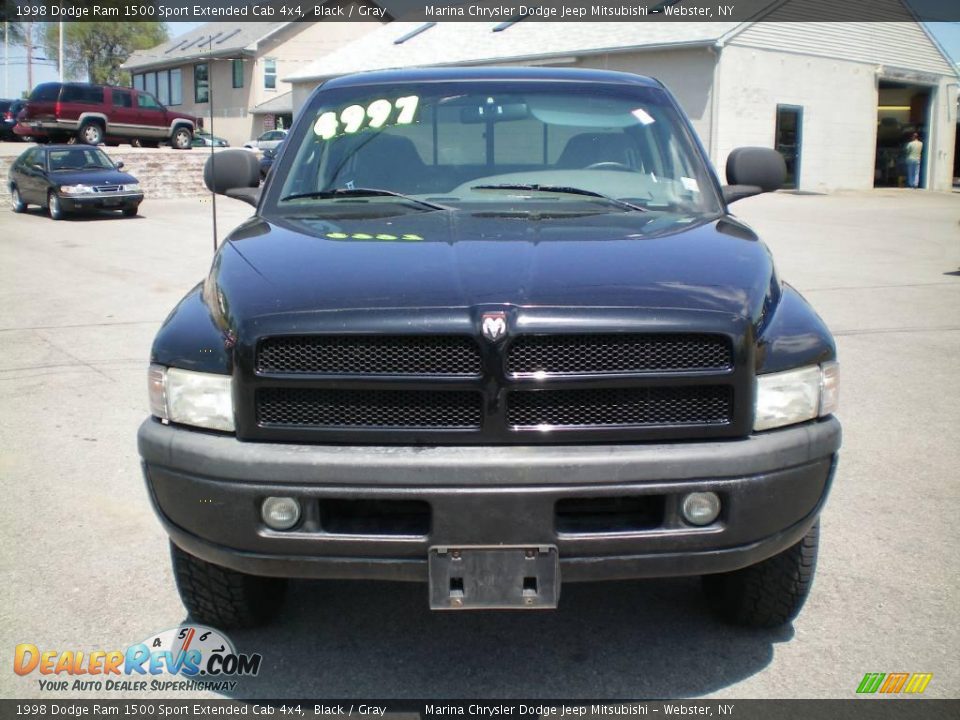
{"x":16,"y":201}
{"x":54,"y":207}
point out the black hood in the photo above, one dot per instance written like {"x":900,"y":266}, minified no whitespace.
{"x":298,"y":266}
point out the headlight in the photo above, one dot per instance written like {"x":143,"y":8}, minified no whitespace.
{"x":795,"y":396}
{"x":76,"y":189}
{"x":191,"y":398}
{"x":133,"y":187}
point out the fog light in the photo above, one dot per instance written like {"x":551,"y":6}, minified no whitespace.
{"x":280,"y":513}
{"x":700,"y":508}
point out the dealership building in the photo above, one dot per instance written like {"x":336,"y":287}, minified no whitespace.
{"x":838,"y":99}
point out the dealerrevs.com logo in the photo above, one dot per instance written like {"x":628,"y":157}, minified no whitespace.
{"x":188,"y":657}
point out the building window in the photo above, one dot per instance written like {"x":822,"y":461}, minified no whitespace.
{"x":163,"y":87}
{"x":176,"y":87}
{"x":201,"y":83}
{"x":150,"y":83}
{"x":270,"y":74}
{"x":138,"y":82}
{"x":238,"y":73}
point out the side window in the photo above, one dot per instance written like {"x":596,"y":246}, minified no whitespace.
{"x":122,"y":99}
{"x":147,"y":102}
{"x":85,"y":94}
{"x":48,"y":92}
{"x":33,"y":157}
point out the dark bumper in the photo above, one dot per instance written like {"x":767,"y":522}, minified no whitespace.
{"x":106,"y":202}
{"x":207,"y":490}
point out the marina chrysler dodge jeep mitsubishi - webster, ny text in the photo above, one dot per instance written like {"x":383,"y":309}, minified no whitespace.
{"x":491,"y":329}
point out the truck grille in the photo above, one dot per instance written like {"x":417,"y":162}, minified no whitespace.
{"x":398,"y":409}
{"x":370,"y":355}
{"x":618,"y":353}
{"x":456,"y":389}
{"x":621,"y":407}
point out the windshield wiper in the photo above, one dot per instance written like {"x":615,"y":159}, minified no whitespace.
{"x":562,"y":189}
{"x":363,"y":192}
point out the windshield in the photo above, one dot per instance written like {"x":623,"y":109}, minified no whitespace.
{"x":509,"y":145}
{"x":77,"y":158}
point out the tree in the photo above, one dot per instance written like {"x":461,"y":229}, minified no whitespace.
{"x":98,"y":49}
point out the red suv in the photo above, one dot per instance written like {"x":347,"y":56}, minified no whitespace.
{"x":55,"y":112}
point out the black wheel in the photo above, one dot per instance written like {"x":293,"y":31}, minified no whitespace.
{"x":224,"y":598}
{"x":182,"y":138}
{"x":131,"y":211}
{"x":770,"y":593}
{"x":16,"y":201}
{"x":91,"y":133}
{"x":54,"y":207}
{"x":149,"y":143}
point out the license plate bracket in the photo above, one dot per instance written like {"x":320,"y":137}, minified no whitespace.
{"x":471,"y":577}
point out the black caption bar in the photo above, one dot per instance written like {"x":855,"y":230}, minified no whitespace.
{"x":853,"y":709}
{"x":476,"y":10}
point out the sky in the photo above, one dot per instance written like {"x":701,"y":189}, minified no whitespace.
{"x":14,"y":77}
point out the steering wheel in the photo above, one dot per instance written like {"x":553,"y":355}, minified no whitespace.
{"x":609,"y":165}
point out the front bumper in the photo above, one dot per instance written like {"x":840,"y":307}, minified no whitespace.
{"x":207,"y":490}
{"x":112,"y":201}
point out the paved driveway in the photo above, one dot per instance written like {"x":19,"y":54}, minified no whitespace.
{"x":84,"y":562}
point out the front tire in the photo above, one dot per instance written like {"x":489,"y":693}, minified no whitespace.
{"x":54,"y":207}
{"x":90,"y":133}
{"x":131,"y":211}
{"x":16,"y":201}
{"x":182,"y":138}
{"x":224,"y":598}
{"x":770,"y":593}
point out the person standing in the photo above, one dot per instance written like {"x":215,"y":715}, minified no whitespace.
{"x":914,"y":152}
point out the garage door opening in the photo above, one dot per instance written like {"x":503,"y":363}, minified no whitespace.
{"x":902,"y":110}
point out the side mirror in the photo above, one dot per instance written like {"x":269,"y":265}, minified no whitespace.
{"x":234,"y":173}
{"x":753,"y":170}
{"x":120,"y":165}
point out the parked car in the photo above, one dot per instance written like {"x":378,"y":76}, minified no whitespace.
{"x":205,"y":139}
{"x":8,"y":118}
{"x":489,"y":329}
{"x":267,"y":140}
{"x":71,"y":178}
{"x":56,"y":112}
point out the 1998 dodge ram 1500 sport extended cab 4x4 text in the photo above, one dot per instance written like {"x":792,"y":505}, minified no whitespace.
{"x":489,"y":329}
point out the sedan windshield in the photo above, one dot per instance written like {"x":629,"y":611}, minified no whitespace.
{"x":509,"y":146}
{"x":78,"y":158}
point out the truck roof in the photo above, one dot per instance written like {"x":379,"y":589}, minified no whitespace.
{"x":442,"y":74}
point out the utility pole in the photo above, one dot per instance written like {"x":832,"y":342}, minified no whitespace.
{"x":6,"y":58}
{"x":28,"y":46}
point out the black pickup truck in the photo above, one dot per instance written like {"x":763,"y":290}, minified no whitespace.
{"x":491,"y":329}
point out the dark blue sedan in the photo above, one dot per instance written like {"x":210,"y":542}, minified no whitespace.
{"x":71,"y":178}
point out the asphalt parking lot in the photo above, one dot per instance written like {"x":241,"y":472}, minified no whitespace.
{"x":86,"y":567}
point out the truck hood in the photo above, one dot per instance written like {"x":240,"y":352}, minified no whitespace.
{"x":462,"y":260}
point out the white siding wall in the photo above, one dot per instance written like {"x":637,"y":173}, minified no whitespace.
{"x":901,"y":43}
{"x":839,"y":99}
